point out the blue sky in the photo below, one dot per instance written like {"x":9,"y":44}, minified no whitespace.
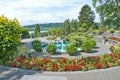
{"x":42,"y":11}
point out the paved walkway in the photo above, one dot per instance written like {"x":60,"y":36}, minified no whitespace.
{"x":7,"y":73}
{"x":99,"y":49}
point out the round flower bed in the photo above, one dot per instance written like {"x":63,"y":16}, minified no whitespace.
{"x":67,"y":64}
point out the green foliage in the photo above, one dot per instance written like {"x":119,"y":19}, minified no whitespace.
{"x":66,"y":27}
{"x":83,"y":42}
{"x":51,"y":48}
{"x":86,"y":17}
{"x":22,"y":50}
{"x":37,"y":31}
{"x":24,"y":33}
{"x":55,"y":31}
{"x":51,"y":38}
{"x":44,"y":34}
{"x":76,"y":40}
{"x":71,"y":49}
{"x":112,"y":31}
{"x":116,"y":49}
{"x":73,"y":25}
{"x":36,"y":44}
{"x":109,"y":11}
{"x":45,"y":26}
{"x":9,"y":37}
{"x":87,"y":44}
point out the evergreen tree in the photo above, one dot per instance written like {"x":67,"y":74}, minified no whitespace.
{"x":66,"y":26}
{"x":37,"y":30}
{"x":86,"y":17}
{"x":73,"y":25}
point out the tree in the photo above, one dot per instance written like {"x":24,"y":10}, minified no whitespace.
{"x":109,"y":11}
{"x":55,"y":31}
{"x":9,"y":37}
{"x":73,"y":25}
{"x":37,"y":30}
{"x":66,"y":27}
{"x":86,"y":17}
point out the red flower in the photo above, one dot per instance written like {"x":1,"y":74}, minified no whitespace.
{"x":54,"y":67}
{"x":43,"y":69}
{"x":107,"y":66}
{"x":68,"y":67}
{"x":83,"y":64}
{"x":98,"y":65}
{"x":76,"y":67}
{"x":14,"y":65}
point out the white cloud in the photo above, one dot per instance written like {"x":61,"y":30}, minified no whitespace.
{"x":41,"y":11}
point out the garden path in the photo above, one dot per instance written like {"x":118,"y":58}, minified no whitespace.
{"x":99,"y":49}
{"x":7,"y":73}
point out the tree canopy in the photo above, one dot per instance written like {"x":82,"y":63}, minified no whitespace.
{"x":9,"y":37}
{"x":86,"y":17}
{"x":66,"y":26}
{"x":37,"y":30}
{"x":109,"y":11}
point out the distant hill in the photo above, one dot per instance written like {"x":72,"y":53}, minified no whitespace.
{"x":45,"y":26}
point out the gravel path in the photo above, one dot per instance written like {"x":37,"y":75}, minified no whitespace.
{"x":7,"y":73}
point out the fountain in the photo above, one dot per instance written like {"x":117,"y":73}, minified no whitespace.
{"x":60,"y":45}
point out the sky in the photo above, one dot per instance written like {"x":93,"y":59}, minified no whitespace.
{"x":43,"y":11}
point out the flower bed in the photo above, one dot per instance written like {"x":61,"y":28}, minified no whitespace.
{"x":114,"y":38}
{"x":67,"y":64}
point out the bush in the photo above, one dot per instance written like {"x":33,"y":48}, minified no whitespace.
{"x":87,"y":45}
{"x":22,"y":50}
{"x":36,"y":44}
{"x":51,"y":38}
{"x":71,"y":49}
{"x":116,"y":49}
{"x":51,"y":48}
{"x":9,"y":38}
{"x":112,"y":31}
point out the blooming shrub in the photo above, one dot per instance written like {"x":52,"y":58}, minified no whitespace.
{"x":67,"y":64}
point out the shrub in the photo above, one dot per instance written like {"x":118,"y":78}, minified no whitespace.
{"x":117,"y":48}
{"x":51,"y":38}
{"x":51,"y":48}
{"x":36,"y":44}
{"x":87,"y":45}
{"x":9,"y":37}
{"x":112,"y":31}
{"x":71,"y":49}
{"x":22,"y":50}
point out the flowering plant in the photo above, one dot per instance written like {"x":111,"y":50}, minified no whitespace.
{"x":67,"y":64}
